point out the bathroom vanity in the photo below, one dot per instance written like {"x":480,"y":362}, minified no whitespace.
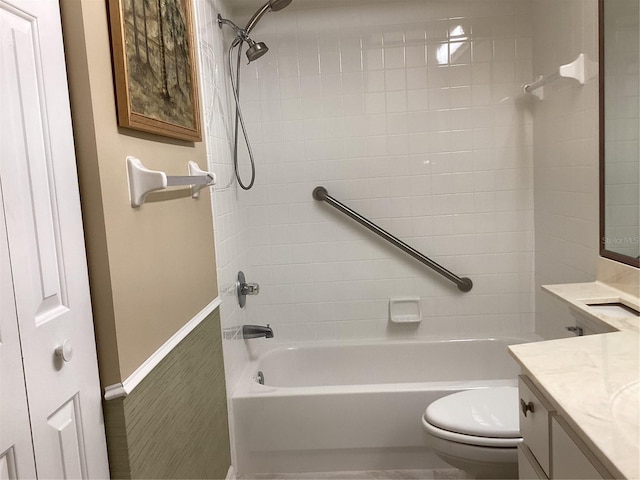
{"x":579,"y":397}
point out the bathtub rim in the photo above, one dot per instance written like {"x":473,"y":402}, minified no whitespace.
{"x":248,"y":386}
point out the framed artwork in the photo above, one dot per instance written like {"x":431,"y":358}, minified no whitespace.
{"x":155,"y":67}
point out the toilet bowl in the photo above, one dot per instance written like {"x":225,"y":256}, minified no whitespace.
{"x":476,"y":431}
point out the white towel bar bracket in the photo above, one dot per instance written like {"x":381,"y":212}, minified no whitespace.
{"x":143,"y":181}
{"x":579,"y":69}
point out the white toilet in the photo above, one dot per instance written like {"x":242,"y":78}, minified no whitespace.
{"x":476,"y":431}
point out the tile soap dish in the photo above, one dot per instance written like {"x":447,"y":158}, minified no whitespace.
{"x":405,"y":310}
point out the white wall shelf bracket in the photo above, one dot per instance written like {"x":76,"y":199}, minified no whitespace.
{"x":576,"y":70}
{"x":143,"y":181}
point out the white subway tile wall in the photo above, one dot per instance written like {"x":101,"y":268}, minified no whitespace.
{"x":565,"y":158}
{"x":412,"y":114}
{"x":231,"y":219}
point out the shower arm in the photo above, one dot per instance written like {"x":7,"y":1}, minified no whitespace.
{"x":253,"y":21}
{"x":243,"y":34}
{"x":256,"y":17}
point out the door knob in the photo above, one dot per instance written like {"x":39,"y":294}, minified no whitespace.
{"x":65,"y":351}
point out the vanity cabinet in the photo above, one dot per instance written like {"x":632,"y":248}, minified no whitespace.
{"x":535,"y":415}
{"x":528,"y":466}
{"x":551,"y":449}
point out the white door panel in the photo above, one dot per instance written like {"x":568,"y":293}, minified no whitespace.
{"x":27,"y":164}
{"x":70,"y":439}
{"x":7,"y":465}
{"x":16,"y":449}
{"x":46,"y":244}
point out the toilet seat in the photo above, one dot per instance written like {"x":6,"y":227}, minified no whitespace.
{"x":470,"y":439}
{"x":484,"y":417}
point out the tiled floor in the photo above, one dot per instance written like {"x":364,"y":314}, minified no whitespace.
{"x":438,"y":474}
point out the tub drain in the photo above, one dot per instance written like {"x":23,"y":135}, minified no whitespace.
{"x":260,"y":378}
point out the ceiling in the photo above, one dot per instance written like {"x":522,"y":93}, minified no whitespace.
{"x":252,"y":5}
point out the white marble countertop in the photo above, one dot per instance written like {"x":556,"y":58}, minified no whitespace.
{"x":579,"y":295}
{"x":593,"y":380}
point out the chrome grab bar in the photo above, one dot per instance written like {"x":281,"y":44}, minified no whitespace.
{"x":464,"y":284}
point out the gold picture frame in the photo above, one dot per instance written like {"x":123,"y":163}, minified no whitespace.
{"x":155,"y":67}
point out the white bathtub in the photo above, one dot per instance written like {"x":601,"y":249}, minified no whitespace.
{"x":356,"y":406}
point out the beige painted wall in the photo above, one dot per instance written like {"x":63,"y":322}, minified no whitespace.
{"x":153,"y":268}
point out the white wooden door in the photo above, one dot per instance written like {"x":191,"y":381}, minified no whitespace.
{"x":46,"y":244}
{"x":16,"y":450}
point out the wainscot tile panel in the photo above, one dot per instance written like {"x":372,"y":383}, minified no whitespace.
{"x":174,"y":423}
{"x":231,"y":218}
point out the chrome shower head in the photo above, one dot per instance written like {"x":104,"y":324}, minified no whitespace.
{"x":279,"y":4}
{"x":256,"y":50}
{"x":270,"y":6}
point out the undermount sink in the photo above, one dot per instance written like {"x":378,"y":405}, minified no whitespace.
{"x":614,"y":309}
{"x":625,"y":409}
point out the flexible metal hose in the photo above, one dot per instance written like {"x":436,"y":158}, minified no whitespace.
{"x":235,"y":87}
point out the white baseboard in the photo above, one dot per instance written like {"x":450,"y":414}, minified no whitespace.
{"x":125,"y":388}
{"x":231,"y":474}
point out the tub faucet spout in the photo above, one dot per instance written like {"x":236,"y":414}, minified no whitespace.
{"x":256,"y":331}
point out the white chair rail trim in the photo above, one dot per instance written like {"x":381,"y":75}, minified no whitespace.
{"x":125,"y":388}
{"x":231,"y":474}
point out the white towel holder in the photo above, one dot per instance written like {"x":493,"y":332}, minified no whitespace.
{"x":143,"y":181}
{"x":575,"y":70}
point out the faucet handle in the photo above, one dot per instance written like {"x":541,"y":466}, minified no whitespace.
{"x":251,"y":289}
{"x":579,"y":331}
{"x":243,"y":289}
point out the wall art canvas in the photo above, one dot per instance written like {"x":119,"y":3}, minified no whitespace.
{"x":155,"y":67}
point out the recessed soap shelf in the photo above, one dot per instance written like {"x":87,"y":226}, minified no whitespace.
{"x":405,"y":310}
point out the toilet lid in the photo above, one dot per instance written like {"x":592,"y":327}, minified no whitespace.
{"x":487,"y":412}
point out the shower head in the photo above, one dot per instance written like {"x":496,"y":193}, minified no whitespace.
{"x":255,"y":50}
{"x":279,"y":4}
{"x":271,"y":5}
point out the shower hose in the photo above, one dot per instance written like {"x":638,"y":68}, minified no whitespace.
{"x":235,"y":87}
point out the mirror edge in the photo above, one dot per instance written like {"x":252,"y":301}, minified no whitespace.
{"x":634,"y":262}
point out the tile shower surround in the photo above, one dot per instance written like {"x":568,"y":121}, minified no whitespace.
{"x":349,"y":88}
{"x":412,"y":114}
{"x":565,"y":158}
{"x":230,"y":217}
